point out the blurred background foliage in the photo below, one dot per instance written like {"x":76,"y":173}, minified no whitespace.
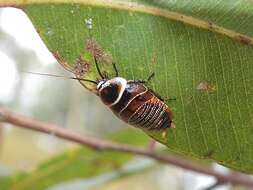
{"x":30,"y":160}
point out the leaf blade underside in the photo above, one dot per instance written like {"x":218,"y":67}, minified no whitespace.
{"x":214,"y":122}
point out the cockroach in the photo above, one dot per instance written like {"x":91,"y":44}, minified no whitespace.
{"x":131,"y":100}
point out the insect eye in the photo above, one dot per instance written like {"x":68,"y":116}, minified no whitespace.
{"x":109,"y":94}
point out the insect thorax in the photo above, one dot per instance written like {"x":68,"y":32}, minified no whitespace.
{"x":111,"y":91}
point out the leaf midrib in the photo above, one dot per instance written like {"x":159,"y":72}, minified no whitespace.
{"x":135,"y":7}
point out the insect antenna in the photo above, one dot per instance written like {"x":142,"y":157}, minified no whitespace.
{"x":60,"y":76}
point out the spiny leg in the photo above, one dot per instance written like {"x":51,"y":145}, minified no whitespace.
{"x":171,"y":98}
{"x":148,"y":79}
{"x":115,"y":69}
{"x":98,"y":70}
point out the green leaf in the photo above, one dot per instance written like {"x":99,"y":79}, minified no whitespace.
{"x":201,"y":53}
{"x":80,"y":163}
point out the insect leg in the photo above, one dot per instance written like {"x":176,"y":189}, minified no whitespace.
{"x":148,"y":79}
{"x":172,"y":98}
{"x":115,"y":69}
{"x":98,"y":70}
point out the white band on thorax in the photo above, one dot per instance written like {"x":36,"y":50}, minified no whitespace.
{"x":123,"y":83}
{"x":117,"y":80}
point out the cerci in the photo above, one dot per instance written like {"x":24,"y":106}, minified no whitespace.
{"x":133,"y":102}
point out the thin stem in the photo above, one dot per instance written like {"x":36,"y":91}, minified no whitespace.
{"x":98,"y":144}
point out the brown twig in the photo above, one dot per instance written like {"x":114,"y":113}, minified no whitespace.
{"x":28,"y":123}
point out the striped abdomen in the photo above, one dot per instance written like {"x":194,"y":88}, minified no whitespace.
{"x":151,"y":114}
{"x":139,"y":107}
